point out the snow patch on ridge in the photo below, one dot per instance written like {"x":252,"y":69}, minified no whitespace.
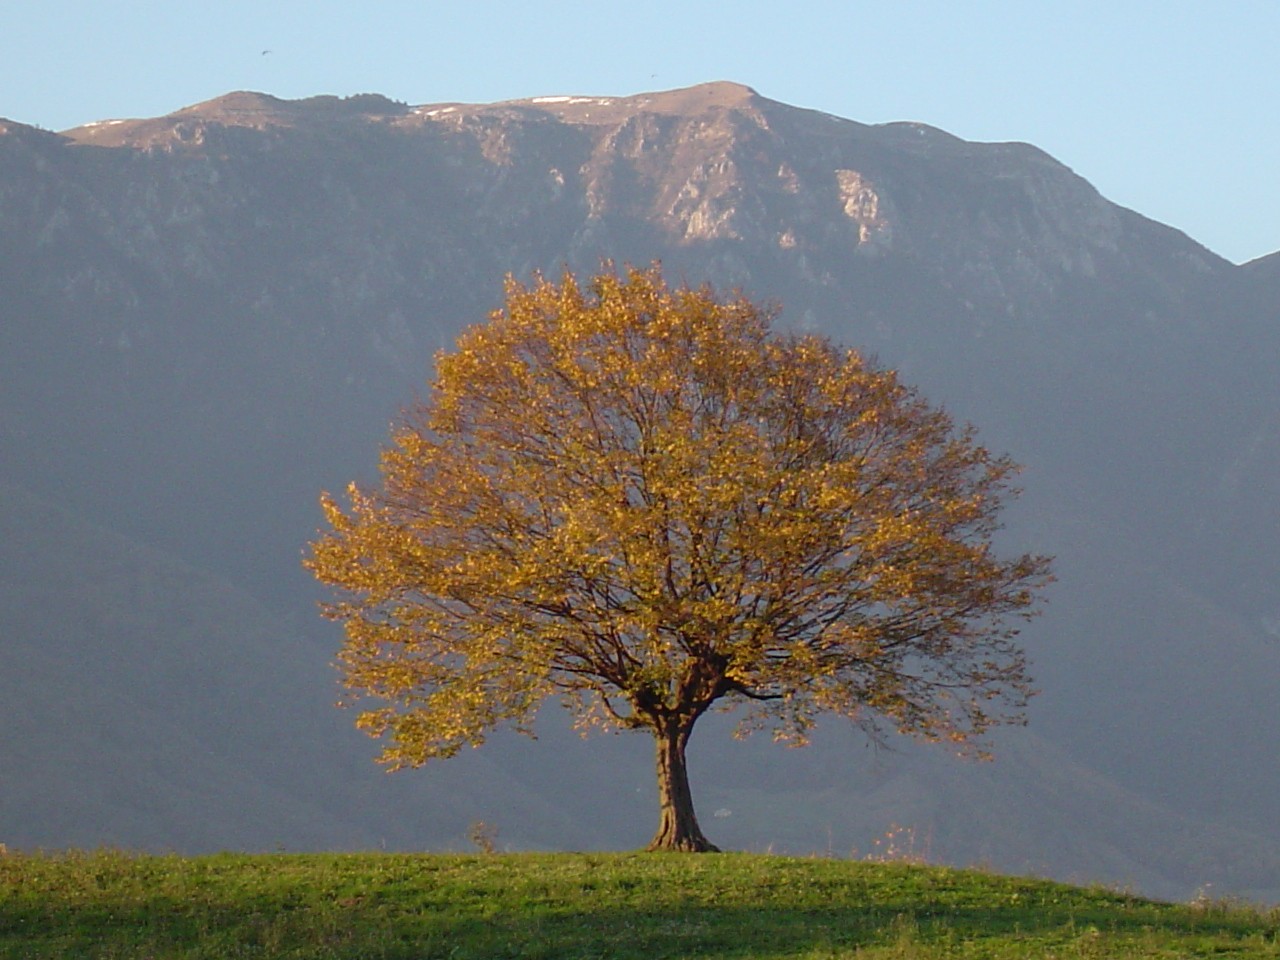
{"x":601,"y":101}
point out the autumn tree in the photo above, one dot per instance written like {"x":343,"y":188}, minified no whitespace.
{"x":646,"y":502}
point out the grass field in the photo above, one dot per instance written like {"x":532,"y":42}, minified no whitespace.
{"x":582,"y":906}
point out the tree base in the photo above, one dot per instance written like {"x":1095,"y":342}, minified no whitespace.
{"x":701,"y":845}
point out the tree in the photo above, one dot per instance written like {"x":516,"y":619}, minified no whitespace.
{"x":645,"y":501}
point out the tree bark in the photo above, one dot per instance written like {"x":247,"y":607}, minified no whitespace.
{"x":677,"y":824}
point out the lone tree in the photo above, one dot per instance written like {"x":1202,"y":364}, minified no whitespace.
{"x":644,"y":501}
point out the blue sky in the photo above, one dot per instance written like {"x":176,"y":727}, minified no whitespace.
{"x":1167,"y":107}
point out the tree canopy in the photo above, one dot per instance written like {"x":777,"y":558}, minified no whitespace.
{"x":645,"y":501}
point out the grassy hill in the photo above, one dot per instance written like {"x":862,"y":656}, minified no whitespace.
{"x":583,"y":905}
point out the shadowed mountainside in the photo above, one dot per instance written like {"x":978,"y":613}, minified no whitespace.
{"x":208,"y":317}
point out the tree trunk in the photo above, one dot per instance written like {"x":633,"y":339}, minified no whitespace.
{"x":677,"y":825}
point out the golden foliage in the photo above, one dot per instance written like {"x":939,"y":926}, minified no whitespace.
{"x":644,"y":500}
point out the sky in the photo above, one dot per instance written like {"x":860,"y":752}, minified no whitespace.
{"x":1169,"y":108}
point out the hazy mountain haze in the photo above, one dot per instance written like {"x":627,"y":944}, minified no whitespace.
{"x":210,"y":316}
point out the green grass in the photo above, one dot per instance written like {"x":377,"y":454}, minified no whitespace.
{"x":582,"y":906}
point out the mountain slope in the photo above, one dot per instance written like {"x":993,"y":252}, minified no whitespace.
{"x":211,"y":316}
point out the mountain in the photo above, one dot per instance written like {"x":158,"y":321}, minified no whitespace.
{"x":206,"y":318}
